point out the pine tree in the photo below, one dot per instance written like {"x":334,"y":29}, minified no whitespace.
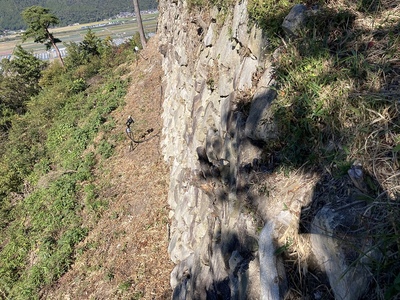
{"x":39,"y":19}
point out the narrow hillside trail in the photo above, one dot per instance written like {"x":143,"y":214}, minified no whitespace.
{"x":125,"y":254}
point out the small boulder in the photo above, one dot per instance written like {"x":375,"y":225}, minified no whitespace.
{"x":294,"y":20}
{"x":342,"y":250}
{"x":260,"y":124}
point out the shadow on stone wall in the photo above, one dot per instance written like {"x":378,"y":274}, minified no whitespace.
{"x":238,"y":160}
{"x":221,"y":273}
{"x":345,"y":214}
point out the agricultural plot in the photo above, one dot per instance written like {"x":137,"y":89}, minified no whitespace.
{"x":119,"y":30}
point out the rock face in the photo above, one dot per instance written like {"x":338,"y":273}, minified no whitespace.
{"x":225,"y":226}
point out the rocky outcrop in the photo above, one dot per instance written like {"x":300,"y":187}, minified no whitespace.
{"x":226,"y":226}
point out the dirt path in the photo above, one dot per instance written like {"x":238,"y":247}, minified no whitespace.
{"x":125,"y":254}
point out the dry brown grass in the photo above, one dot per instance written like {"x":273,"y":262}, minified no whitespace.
{"x":351,"y":116}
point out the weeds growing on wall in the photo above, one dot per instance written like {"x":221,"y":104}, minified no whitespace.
{"x":269,"y":15}
{"x":223,"y":6}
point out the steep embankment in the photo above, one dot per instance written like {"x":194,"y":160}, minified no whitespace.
{"x":125,"y":254}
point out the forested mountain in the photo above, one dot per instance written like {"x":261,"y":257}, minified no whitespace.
{"x":68,"y":11}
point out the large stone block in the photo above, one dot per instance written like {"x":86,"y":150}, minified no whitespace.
{"x":260,"y":124}
{"x":341,"y":253}
{"x":244,"y":75}
{"x":210,"y":35}
{"x":294,"y":20}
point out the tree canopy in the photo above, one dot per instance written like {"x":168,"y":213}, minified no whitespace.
{"x":39,"y":20}
{"x":19,"y":81}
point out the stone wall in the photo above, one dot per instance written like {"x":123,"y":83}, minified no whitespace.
{"x":218,"y":87}
{"x":213,"y":62}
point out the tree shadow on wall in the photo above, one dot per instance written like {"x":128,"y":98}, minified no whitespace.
{"x":321,"y":124}
{"x":223,"y":273}
{"x":218,"y":180}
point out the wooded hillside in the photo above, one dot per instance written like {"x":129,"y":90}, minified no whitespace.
{"x":68,"y":11}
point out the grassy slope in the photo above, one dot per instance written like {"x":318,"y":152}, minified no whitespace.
{"x":125,"y":253}
{"x":84,"y":211}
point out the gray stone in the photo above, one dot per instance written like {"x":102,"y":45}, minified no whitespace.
{"x":257,"y":44}
{"x":224,"y":51}
{"x":234,"y":264}
{"x":335,"y":248}
{"x":356,"y":175}
{"x":253,"y":278}
{"x":260,"y":124}
{"x":269,"y":277}
{"x":239,"y":22}
{"x":181,"y":272}
{"x":225,"y":84}
{"x":209,"y":37}
{"x":213,"y":145}
{"x":294,"y":20}
{"x":181,"y":57}
{"x":244,"y":76}
{"x":235,"y":260}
